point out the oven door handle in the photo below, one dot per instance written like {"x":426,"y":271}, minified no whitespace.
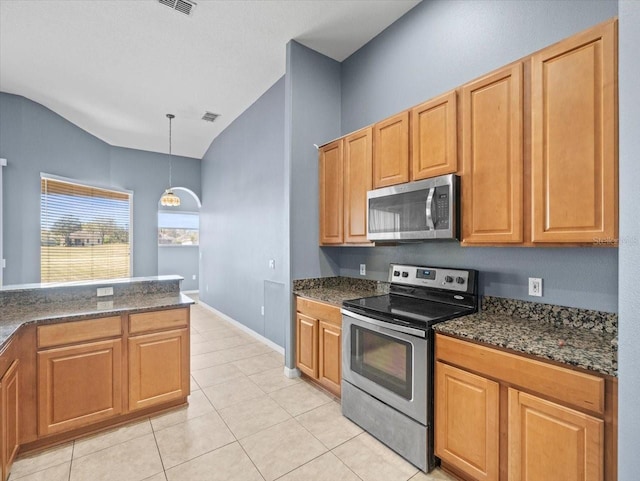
{"x":386,"y":325}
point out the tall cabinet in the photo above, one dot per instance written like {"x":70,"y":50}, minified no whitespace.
{"x":492,"y":177}
{"x":574,"y":163}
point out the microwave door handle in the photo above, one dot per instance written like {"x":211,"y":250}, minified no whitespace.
{"x":430,"y":224}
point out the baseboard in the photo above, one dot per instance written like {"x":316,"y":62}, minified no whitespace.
{"x":292,"y":372}
{"x":244,"y":328}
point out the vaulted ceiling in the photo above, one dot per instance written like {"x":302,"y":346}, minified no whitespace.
{"x":116,"y":67}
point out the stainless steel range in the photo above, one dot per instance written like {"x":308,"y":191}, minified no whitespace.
{"x":388,"y":358}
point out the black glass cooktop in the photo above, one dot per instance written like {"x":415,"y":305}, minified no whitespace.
{"x":406,"y":310}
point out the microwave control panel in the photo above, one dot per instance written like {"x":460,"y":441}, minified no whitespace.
{"x":440,"y":206}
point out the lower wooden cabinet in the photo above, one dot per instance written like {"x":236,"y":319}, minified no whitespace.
{"x":319,"y":343}
{"x":329,"y":356}
{"x":467,"y":420}
{"x":79,"y":385}
{"x":158,"y":368}
{"x":503,"y":416}
{"x":10,"y":409}
{"x":307,"y":344}
{"x":550,"y":441}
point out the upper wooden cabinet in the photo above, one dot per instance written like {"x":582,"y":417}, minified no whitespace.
{"x":434,"y":137}
{"x":331,"y":193}
{"x":492,"y":201}
{"x":357,"y":181}
{"x":391,"y":151}
{"x":345,"y":178}
{"x":574,"y":138}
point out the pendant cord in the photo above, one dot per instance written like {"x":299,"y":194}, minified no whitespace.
{"x":170,"y":118}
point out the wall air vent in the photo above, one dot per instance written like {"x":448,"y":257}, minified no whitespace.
{"x":210,"y":116}
{"x":182,"y":6}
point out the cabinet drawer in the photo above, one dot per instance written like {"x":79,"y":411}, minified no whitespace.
{"x":158,"y":320}
{"x":78,"y":331}
{"x":571,"y":387}
{"x":319,"y":310}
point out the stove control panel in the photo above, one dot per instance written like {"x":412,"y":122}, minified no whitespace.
{"x":436,"y":277}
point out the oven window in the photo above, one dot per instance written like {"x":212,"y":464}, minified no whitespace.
{"x":382,"y":359}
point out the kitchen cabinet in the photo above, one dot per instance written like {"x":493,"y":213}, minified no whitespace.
{"x":357,"y":181}
{"x":345,"y":178}
{"x":331,"y":193}
{"x":10,"y":412}
{"x":319,"y":343}
{"x":467,"y":421}
{"x":79,"y":372}
{"x":574,"y":172}
{"x":307,"y":345}
{"x":492,"y":178}
{"x":550,"y":441}
{"x":158,"y":357}
{"x":503,"y":416}
{"x":391,"y":151}
{"x":434,"y":137}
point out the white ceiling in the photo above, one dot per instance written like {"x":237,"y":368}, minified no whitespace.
{"x":116,"y":67}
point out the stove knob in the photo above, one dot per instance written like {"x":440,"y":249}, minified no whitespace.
{"x":460,"y":280}
{"x":396,"y":273}
{"x":448,"y":279}
{"x":405,"y":274}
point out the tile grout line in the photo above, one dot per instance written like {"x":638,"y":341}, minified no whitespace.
{"x":73,"y":449}
{"x":155,"y":440}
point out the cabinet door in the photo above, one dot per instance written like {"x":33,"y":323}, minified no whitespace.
{"x":467,"y":422}
{"x":10,"y":417}
{"x":307,"y":345}
{"x":391,"y":151}
{"x":574,"y":123}
{"x":549,"y":441}
{"x":330,"y":358}
{"x":79,"y":385}
{"x":357,"y":181}
{"x":434,"y":137}
{"x":492,"y":202}
{"x":331,"y":191}
{"x":158,"y":368}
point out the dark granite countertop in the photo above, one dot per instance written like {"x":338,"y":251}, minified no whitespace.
{"x":335,"y":290}
{"x":335,"y":295}
{"x":583,"y":348}
{"x":13,"y":316}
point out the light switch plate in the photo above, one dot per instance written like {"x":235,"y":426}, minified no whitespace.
{"x":104,"y":291}
{"x":535,"y":286}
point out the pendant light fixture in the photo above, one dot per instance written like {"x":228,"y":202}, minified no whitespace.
{"x":169,"y":199}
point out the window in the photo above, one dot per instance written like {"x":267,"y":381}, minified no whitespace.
{"x":178,"y":228}
{"x":85,"y":231}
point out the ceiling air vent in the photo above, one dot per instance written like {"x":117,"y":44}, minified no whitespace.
{"x":182,"y":6}
{"x":210,"y":116}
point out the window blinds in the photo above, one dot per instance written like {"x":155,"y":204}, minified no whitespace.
{"x":84,"y":232}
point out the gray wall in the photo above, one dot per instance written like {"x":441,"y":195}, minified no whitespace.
{"x":438,"y":46}
{"x":629,"y":307}
{"x":242,"y":219}
{"x":312,"y":115}
{"x":34,"y":139}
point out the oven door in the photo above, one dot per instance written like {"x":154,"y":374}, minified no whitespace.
{"x":387,"y":363}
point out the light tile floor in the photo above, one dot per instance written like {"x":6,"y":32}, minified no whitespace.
{"x":245,"y":421}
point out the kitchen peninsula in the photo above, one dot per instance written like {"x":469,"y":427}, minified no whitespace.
{"x":79,"y":357}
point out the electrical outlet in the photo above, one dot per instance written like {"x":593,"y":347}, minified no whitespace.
{"x":272,"y":263}
{"x":363,"y":269}
{"x":193,"y":277}
{"x":535,"y":286}
{"x":262,"y":310}
{"x":104,"y":291}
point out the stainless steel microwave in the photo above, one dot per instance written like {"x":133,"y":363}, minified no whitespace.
{"x":426,"y":209}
